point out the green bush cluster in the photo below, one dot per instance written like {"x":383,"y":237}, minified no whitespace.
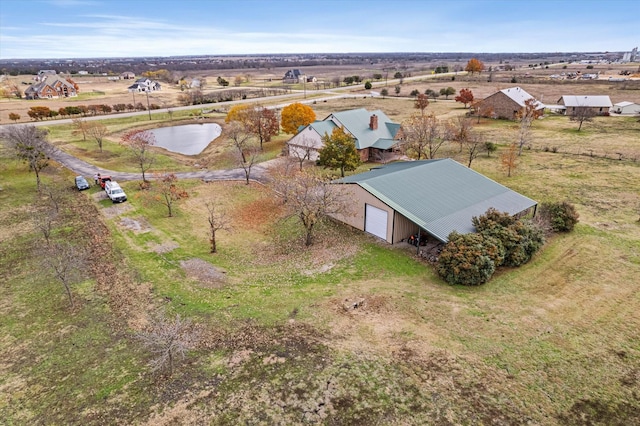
{"x":501,"y":239}
{"x":467,"y":259}
{"x":561,"y":216}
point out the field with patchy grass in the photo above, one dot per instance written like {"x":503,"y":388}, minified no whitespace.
{"x":348,"y":331}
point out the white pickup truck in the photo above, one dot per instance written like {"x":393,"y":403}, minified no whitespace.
{"x":114,"y":192}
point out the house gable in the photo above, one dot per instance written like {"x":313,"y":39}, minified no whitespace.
{"x":372,"y":131}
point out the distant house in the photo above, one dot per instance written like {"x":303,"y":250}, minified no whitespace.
{"x":127,"y":75}
{"x":144,"y":85}
{"x":42,"y":74}
{"x":374,"y":133}
{"x":51,"y":87}
{"x":599,"y":104}
{"x":506,"y":103}
{"x":292,"y":76}
{"x":436,"y":197}
{"x":626,"y":108}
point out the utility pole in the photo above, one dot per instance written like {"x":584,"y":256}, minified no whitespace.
{"x":148,"y":107}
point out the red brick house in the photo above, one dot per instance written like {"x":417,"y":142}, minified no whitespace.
{"x":51,"y":87}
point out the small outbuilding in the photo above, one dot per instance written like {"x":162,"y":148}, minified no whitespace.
{"x":438,"y":197}
{"x":626,"y":108}
{"x":598,"y":104}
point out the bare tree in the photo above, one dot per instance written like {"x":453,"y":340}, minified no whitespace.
{"x":44,"y":219}
{"x":166,"y":191}
{"x":139,"y":143}
{"x":422,"y":136}
{"x":54,"y":196}
{"x":312,"y":200}
{"x":240,"y":138}
{"x":168,"y":341}
{"x":246,"y":151}
{"x":509,"y":159}
{"x":483,"y":109}
{"x":30,"y":145}
{"x":461,"y":131}
{"x":66,"y":261}
{"x":247,"y":158}
{"x":458,"y":130}
{"x":81,"y":127}
{"x":473,"y":146}
{"x":582,"y":114}
{"x":302,"y":150}
{"x":97,"y":131}
{"x":281,"y":177}
{"x":218,"y":221}
{"x":526,"y":116}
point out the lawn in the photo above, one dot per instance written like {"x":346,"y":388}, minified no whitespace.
{"x":552,"y":342}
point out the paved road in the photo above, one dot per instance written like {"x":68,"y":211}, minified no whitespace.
{"x":79,"y":167}
{"x":258,"y":172}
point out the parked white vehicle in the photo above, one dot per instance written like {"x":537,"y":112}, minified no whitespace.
{"x":114,"y":192}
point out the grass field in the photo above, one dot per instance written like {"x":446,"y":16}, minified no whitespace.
{"x":553,"y":342}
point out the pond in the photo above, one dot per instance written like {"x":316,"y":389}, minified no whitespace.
{"x":188,"y":139}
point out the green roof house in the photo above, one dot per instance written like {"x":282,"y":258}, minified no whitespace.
{"x":439,"y":196}
{"x":374,"y":134}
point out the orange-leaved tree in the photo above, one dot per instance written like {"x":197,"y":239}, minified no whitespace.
{"x":509,"y":159}
{"x":263,"y":124}
{"x":257,"y":120}
{"x":465,"y":97}
{"x":474,"y":65}
{"x":421,"y":103}
{"x":238,"y":113}
{"x":296,"y":115}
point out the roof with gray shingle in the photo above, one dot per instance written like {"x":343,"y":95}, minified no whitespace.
{"x":440,"y":195}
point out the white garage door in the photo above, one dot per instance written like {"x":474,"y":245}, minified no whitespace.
{"x":375,"y":221}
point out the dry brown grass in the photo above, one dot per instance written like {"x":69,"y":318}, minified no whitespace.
{"x":552,"y":342}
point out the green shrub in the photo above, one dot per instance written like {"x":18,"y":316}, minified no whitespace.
{"x":531,"y":240}
{"x":467,"y":259}
{"x":561,"y":216}
{"x":519,"y":240}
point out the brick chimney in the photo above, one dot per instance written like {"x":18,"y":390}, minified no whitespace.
{"x":373,"y":122}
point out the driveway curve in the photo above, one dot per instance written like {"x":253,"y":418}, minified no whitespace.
{"x":80,"y":167}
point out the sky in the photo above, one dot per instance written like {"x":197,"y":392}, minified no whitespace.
{"x":141,"y":28}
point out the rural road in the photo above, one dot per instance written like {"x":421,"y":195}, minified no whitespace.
{"x":79,"y":167}
{"x":258,"y":171}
